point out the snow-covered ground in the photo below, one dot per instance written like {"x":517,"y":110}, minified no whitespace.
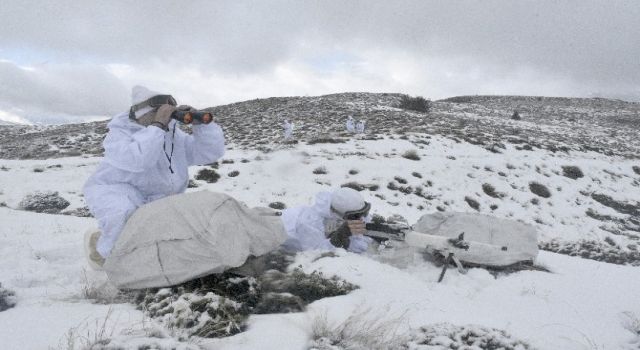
{"x":580,"y":304}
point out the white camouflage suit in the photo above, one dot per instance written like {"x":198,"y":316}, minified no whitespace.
{"x":136,"y":170}
{"x":308,"y":226}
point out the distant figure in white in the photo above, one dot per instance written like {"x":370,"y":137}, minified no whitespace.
{"x":351,"y":125}
{"x":360,"y":126}
{"x":288,"y":129}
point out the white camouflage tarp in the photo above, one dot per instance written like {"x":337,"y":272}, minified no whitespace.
{"x":186,"y":236}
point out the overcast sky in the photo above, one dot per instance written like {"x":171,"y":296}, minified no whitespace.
{"x":76,"y":60}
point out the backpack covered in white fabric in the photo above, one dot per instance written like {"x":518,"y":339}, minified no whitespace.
{"x":187,"y":236}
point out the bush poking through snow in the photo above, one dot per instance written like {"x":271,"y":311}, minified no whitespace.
{"x":272,"y":303}
{"x":82,"y":212}
{"x":7,"y":299}
{"x":516,"y":116}
{"x":636,"y":169}
{"x":277,"y":205}
{"x":445,"y":336}
{"x":472,"y":203}
{"x":353,"y":171}
{"x":491,"y":191}
{"x":411,"y":154}
{"x":620,"y":207}
{"x":309,"y":287}
{"x":192,"y":184}
{"x":417,"y":103}
{"x":572,"y":172}
{"x":321,"y":170}
{"x":354,"y":185}
{"x":208,"y":175}
{"x":361,"y":331}
{"x":400,"y":180}
{"x":44,"y":202}
{"x":539,"y":190}
{"x":593,"y":250}
{"x":325,"y":140}
{"x":377,"y":219}
{"x":233,"y":173}
{"x":416,"y":174}
{"x":219,"y":305}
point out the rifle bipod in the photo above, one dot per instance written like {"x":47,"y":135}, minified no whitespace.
{"x":450,"y":257}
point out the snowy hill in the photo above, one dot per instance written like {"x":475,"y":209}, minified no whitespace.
{"x":570,"y":167}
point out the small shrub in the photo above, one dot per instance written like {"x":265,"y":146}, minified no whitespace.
{"x":405,"y":189}
{"x":539,"y":190}
{"x":493,"y":206}
{"x":82,"y":212}
{"x":192,"y":184}
{"x":353,"y":172}
{"x":448,"y":336}
{"x":377,"y":219}
{"x":416,"y":174}
{"x":321,"y":170}
{"x":325,"y":140}
{"x":360,"y":331}
{"x":373,"y":187}
{"x":354,"y":185}
{"x":273,"y":303}
{"x":417,"y":103}
{"x":7,"y":299}
{"x":491,"y":191}
{"x":38,"y":169}
{"x":516,"y":116}
{"x":44,"y":202}
{"x":309,"y":287}
{"x":233,"y":173}
{"x":636,"y":169}
{"x":572,"y":172}
{"x":400,"y":180}
{"x":472,"y":203}
{"x":277,"y":205}
{"x":208,"y":175}
{"x":594,"y":250}
{"x":411,"y":154}
{"x":620,"y":207}
{"x":227,"y":161}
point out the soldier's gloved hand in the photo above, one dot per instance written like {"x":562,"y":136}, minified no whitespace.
{"x":163,"y":116}
{"x":357,"y":227}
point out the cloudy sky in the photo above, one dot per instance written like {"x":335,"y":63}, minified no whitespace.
{"x":63,"y":61}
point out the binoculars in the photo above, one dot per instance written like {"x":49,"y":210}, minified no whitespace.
{"x":188,"y":117}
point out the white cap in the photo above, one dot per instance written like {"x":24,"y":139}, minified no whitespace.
{"x":346,"y":199}
{"x":140,"y":94}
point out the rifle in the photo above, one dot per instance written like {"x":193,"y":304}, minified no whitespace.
{"x":455,"y":250}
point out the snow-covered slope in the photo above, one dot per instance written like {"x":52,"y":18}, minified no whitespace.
{"x":580,"y":304}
